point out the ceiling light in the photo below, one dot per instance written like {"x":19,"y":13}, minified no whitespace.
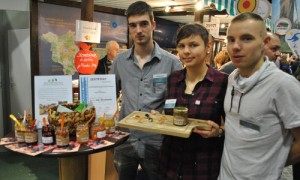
{"x":167,"y":9}
{"x":199,"y":5}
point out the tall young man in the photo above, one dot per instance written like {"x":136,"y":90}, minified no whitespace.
{"x":142,"y":73}
{"x":262,"y":126}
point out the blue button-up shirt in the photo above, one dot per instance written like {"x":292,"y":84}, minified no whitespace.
{"x":143,"y":89}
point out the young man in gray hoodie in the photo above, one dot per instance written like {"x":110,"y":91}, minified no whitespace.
{"x":262,"y":126}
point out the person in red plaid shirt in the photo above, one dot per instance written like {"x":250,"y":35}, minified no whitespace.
{"x":201,"y":89}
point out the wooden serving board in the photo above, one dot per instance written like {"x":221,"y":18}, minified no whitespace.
{"x":162,"y":124}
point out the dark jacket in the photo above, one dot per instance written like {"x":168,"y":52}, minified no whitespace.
{"x":103,"y":66}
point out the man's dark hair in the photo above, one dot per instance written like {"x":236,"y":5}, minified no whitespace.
{"x":247,"y":15}
{"x":140,"y":8}
{"x":192,"y":29}
{"x":251,"y":16}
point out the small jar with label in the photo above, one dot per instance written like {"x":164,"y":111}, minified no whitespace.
{"x":31,"y":135}
{"x":82,"y":134}
{"x":109,"y":123}
{"x":180,"y":116}
{"x":19,"y":134}
{"x":62,"y":136}
{"x":99,"y":130}
{"x":47,"y":135}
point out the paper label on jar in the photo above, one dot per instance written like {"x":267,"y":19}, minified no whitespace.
{"x":180,"y":121}
{"x":30,"y":137}
{"x":83,"y":139}
{"x":47,"y":140}
{"x":101,"y":134}
{"x":62,"y":141}
{"x":20,"y":136}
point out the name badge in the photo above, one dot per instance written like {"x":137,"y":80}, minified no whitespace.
{"x":159,"y":78}
{"x":170,"y":103}
{"x":250,"y":125}
{"x":159,"y":82}
{"x":197,"y":102}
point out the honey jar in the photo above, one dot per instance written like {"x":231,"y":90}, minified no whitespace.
{"x":62,"y":137}
{"x":180,"y":116}
{"x":82,"y":134}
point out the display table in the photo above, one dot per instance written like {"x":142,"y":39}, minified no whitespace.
{"x":86,"y":163}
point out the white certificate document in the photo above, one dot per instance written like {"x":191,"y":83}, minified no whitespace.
{"x":49,"y":91}
{"x":101,"y":91}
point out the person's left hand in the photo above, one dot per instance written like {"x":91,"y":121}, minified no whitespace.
{"x":214,"y":132}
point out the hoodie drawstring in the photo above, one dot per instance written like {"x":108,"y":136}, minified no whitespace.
{"x":240,"y":102}
{"x":232,"y":94}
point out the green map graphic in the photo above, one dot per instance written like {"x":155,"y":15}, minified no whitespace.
{"x":63,"y":50}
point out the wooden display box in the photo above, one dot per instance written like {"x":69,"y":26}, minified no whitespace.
{"x":162,"y":124}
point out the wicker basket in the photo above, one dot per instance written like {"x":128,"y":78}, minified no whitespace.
{"x":72,"y":119}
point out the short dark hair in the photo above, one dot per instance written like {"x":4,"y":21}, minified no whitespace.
{"x":192,"y":29}
{"x":247,"y":15}
{"x":140,"y":8}
{"x":251,"y":16}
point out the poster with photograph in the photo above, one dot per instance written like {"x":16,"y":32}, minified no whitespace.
{"x":50,"y":91}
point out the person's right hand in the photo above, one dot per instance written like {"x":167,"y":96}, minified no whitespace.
{"x":154,"y":112}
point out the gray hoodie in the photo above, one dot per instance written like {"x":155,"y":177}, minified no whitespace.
{"x":259,"y":111}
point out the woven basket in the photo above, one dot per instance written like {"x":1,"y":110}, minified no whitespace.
{"x":72,"y":119}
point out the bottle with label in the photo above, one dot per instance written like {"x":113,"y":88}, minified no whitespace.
{"x":47,"y":135}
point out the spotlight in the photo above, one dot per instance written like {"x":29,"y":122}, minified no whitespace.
{"x":199,"y":5}
{"x":167,"y":9}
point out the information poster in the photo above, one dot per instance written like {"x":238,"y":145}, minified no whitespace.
{"x":88,"y":31}
{"x":99,"y":90}
{"x":49,"y":91}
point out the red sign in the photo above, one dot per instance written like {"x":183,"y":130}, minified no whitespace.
{"x":86,"y":61}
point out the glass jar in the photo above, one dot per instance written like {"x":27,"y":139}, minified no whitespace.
{"x":31,"y":135}
{"x":109,"y":123}
{"x":98,"y":131}
{"x":62,"y":136}
{"x":180,"y":116}
{"x":82,"y":133}
{"x":47,"y":135}
{"x":19,"y":134}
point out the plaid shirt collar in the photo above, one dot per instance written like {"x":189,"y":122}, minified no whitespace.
{"x":209,"y":75}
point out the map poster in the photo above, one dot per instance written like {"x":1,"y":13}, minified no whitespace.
{"x":50,"y":91}
{"x":56,"y":34}
{"x":101,"y":91}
